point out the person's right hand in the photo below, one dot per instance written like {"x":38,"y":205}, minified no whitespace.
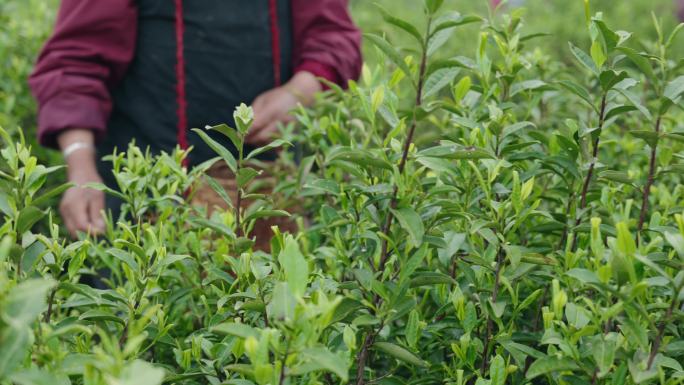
{"x":82,"y":207}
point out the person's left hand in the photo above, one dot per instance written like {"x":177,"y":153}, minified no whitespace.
{"x":274,"y":106}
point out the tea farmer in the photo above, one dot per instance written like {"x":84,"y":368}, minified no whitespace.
{"x":150,"y":70}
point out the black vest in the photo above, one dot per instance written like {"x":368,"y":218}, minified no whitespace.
{"x":229,"y":59}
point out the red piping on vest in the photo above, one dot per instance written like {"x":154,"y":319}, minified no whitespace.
{"x":181,"y":99}
{"x":275,"y":40}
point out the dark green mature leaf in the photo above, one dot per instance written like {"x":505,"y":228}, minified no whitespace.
{"x":430,"y":278}
{"x":235,"y":329}
{"x":527,"y":85}
{"x":266,"y":213}
{"x":514,"y":128}
{"x":438,"y":80}
{"x":577,"y":90}
{"x":273,"y":145}
{"x":226,"y":155}
{"x":455,"y":152}
{"x":651,"y":137}
{"x":634,"y":100}
{"x":96,"y":315}
{"x":674,"y":89}
{"x":451,"y":20}
{"x":583,"y":275}
{"x":616,"y":176}
{"x":609,"y":78}
{"x":584,"y":59}
{"x":400,"y":353}
{"x":410,"y":221}
{"x":222,"y":193}
{"x":125,"y":257}
{"x":391,"y":53}
{"x":519,"y":351}
{"x":245,"y":175}
{"x":228,"y":132}
{"x":46,"y":197}
{"x":610,"y":38}
{"x":28,"y":217}
{"x":548,"y":365}
{"x":678,"y":136}
{"x":641,"y":61}
{"x":402,"y":24}
{"x":358,"y":156}
{"x":438,"y":39}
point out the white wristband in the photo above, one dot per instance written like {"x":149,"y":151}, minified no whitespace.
{"x":76,"y":146}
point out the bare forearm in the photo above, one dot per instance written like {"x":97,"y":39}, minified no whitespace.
{"x":81,"y":163}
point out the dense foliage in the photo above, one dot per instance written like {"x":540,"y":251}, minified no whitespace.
{"x":497,"y":218}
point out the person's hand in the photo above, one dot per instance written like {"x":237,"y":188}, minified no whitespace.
{"x":274,"y":106}
{"x":81,"y":207}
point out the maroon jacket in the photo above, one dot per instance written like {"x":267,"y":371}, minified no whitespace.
{"x":95,"y":41}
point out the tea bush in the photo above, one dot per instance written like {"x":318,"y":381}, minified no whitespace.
{"x":494,"y":219}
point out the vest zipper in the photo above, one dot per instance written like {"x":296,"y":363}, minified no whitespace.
{"x":181,"y":99}
{"x":275,"y":40}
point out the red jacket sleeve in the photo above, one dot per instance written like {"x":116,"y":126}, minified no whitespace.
{"x":326,"y":41}
{"x":91,"y":47}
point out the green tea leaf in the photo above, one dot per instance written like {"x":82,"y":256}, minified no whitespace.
{"x":228,"y":132}
{"x":295,"y":266}
{"x":28,"y":217}
{"x":548,"y":365}
{"x":402,"y":24}
{"x":274,"y":144}
{"x":235,"y":329}
{"x":325,"y":359}
{"x":584,"y":59}
{"x":438,"y":80}
{"x":226,"y":155}
{"x":389,"y":50}
{"x":410,"y":221}
{"x":400,"y":353}
{"x":497,"y":371}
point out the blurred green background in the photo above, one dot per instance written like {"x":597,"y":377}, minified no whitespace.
{"x":25,"y":24}
{"x":562,"y":19}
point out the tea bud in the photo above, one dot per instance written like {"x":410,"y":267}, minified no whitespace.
{"x":251,"y":347}
{"x":548,"y":317}
{"x":559,"y":300}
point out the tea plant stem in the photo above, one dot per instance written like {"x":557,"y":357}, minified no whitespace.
{"x":590,"y":172}
{"x":407,"y":145}
{"x":649,"y":183}
{"x":661,"y":330}
{"x":362,"y":356}
{"x":281,"y":381}
{"x":568,"y":210}
{"x":238,"y":188}
{"x":51,"y":300}
{"x":134,"y":309}
{"x":490,"y":322}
